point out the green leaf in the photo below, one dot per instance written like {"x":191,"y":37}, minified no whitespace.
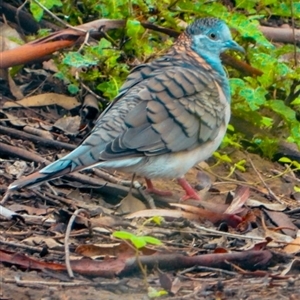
{"x":38,"y":12}
{"x":73,"y":89}
{"x":77,"y":60}
{"x":152,"y":240}
{"x":123,"y":235}
{"x":254,"y":97}
{"x":284,"y":111}
{"x":134,"y":28}
{"x":153,"y":293}
{"x":109,"y":88}
{"x":138,"y":242}
{"x":296,"y":101}
{"x":224,"y":157}
{"x":285,"y":160}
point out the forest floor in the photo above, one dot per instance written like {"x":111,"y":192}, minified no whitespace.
{"x":250,"y":215}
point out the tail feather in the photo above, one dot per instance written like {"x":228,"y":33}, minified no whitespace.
{"x":62,"y":168}
{"x":80,"y":158}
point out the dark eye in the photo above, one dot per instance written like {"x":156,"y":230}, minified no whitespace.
{"x":212,"y":36}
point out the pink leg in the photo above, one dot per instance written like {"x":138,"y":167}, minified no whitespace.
{"x":151,"y":189}
{"x":190,"y":192}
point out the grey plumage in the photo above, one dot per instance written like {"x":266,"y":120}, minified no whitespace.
{"x":172,"y":112}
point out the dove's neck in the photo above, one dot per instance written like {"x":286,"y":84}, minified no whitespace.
{"x":182,"y":50}
{"x":218,"y":72}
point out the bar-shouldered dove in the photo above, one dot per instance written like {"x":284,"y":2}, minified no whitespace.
{"x":169,"y":115}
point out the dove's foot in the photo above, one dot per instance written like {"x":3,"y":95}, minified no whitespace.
{"x":190,"y":193}
{"x":152,"y":190}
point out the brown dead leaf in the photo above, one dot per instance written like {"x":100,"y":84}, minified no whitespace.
{"x":271,"y":206}
{"x":214,"y":217}
{"x":46,"y":99}
{"x":107,"y":221}
{"x":130,"y":204}
{"x":293,"y":247}
{"x":30,"y":209}
{"x":241,"y":195}
{"x":283,"y":221}
{"x":165,"y":281}
{"x":17,"y":168}
{"x":28,"y":263}
{"x":39,"y":240}
{"x":103,"y":250}
{"x":292,"y":268}
{"x":68,"y":125}
{"x":13,"y":120}
{"x":118,"y":249}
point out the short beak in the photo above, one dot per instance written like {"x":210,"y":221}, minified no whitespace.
{"x":234,"y":46}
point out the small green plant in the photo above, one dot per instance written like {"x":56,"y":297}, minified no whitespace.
{"x":224,"y":158}
{"x":293,"y":166}
{"x":154,"y":293}
{"x":137,"y":241}
{"x":156,"y":220}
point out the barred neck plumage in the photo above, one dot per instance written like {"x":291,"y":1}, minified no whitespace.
{"x":183,"y":53}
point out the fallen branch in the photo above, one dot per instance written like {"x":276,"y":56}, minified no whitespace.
{"x":248,"y":260}
{"x":281,"y":35}
{"x":18,"y":134}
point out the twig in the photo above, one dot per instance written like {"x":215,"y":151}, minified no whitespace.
{"x":49,"y":200}
{"x":56,"y":18}
{"x":227,"y":234}
{"x":273,"y":196}
{"x":68,"y":231}
{"x":281,"y":35}
{"x":19,"y":9}
{"x":27,"y":247}
{"x":22,"y":153}
{"x":60,"y":283}
{"x":92,"y":92}
{"x":42,"y":141}
{"x":109,"y":177}
{"x":210,"y":269}
{"x":146,"y":196}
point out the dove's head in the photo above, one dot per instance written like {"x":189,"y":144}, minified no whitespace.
{"x":212,"y":36}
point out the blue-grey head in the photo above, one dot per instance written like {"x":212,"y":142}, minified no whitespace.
{"x":211,"y":36}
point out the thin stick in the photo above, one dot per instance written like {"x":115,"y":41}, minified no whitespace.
{"x":68,"y":231}
{"x":273,"y":196}
{"x":56,"y":18}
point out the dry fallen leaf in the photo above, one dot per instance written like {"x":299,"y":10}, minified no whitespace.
{"x":68,"y":125}
{"x":64,"y":101}
{"x":271,"y":206}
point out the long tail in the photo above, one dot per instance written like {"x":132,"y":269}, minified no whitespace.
{"x":78,"y":159}
{"x":40,"y":176}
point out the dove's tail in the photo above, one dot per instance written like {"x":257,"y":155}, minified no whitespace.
{"x":80,"y":158}
{"x":59,"y":168}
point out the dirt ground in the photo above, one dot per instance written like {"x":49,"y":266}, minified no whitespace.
{"x":186,"y":283}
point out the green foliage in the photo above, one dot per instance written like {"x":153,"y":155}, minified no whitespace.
{"x":37,"y":10}
{"x":156,"y":220}
{"x":154,"y":293}
{"x":138,"y":241}
{"x":293,"y":166}
{"x":224,"y":158}
{"x":268,"y":101}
